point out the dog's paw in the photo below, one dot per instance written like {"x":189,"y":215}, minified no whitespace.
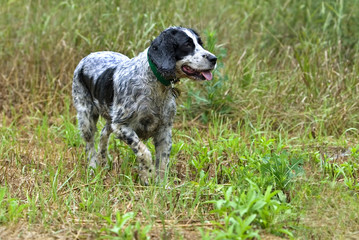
{"x":147,"y":176}
{"x":102,"y":161}
{"x":161,"y":175}
{"x":93,"y":163}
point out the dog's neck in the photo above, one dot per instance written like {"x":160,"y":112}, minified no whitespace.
{"x":158,"y":75}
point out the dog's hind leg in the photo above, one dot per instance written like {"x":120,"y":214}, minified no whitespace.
{"x":87,"y":118}
{"x":87,"y":126}
{"x":102,"y":147}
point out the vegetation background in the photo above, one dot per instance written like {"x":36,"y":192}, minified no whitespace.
{"x":268,"y":149}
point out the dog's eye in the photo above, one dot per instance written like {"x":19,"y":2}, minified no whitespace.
{"x":188,"y":45}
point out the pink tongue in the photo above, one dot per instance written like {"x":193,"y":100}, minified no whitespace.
{"x":207,"y":75}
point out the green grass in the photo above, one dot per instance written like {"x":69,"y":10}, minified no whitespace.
{"x":267,"y":149}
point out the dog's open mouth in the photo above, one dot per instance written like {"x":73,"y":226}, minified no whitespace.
{"x":198,"y":74}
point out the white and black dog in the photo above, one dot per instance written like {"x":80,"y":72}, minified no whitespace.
{"x":135,"y":95}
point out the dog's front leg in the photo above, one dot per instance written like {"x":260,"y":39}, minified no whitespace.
{"x":143,"y":155}
{"x":163,"y":145}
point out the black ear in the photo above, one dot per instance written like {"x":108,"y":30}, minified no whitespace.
{"x":162,"y":53}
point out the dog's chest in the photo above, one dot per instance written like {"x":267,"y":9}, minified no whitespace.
{"x":153,"y":116}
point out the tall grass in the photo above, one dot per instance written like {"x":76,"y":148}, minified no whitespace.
{"x":258,"y":151}
{"x":292,"y":62}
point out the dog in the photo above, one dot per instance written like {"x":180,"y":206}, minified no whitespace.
{"x":136,"y":96}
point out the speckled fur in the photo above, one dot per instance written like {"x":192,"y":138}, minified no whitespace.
{"x":135,"y":105}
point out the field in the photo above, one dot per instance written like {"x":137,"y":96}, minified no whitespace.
{"x":268,"y":149}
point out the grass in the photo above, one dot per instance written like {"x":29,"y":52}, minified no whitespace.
{"x":268,"y":149}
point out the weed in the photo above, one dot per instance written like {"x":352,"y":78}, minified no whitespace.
{"x":243,"y":211}
{"x":337,"y":169}
{"x":281,"y":169}
{"x":122,"y":229}
{"x":11,"y":210}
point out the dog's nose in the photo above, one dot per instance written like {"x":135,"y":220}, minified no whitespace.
{"x":211,"y":58}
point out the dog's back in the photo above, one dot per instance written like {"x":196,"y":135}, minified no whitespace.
{"x":93,"y":76}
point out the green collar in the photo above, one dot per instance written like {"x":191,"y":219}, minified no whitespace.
{"x":158,"y":74}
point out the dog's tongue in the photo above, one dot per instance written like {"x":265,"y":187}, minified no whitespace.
{"x":207,"y":74}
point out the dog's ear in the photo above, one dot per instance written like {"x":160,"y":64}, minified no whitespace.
{"x":162,"y":53}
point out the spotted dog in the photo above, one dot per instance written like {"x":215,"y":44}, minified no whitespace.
{"x":135,"y":96}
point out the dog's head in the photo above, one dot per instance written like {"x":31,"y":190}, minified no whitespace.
{"x":178,"y":53}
